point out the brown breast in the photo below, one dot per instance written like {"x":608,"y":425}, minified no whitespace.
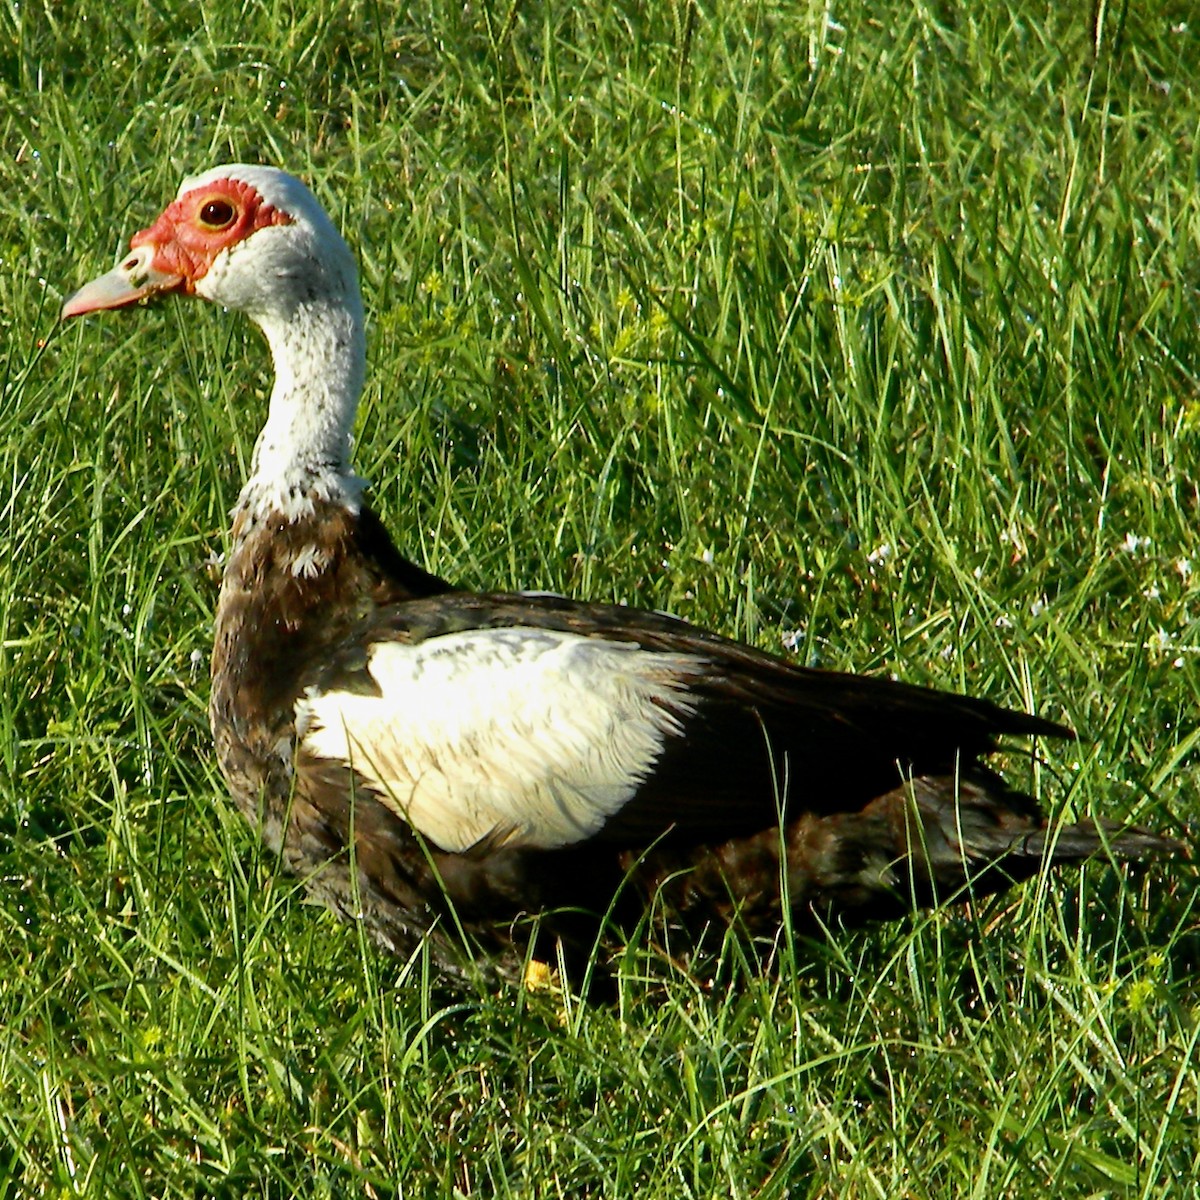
{"x":291,"y":591}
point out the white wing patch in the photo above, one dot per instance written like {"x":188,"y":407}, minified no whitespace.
{"x":529,"y":736}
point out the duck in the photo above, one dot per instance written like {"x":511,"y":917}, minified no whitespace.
{"x":490,"y":776}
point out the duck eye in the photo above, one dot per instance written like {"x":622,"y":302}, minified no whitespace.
{"x":217,"y":214}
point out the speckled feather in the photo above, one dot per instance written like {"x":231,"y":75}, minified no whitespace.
{"x":702,"y":832}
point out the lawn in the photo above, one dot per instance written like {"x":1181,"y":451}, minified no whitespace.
{"x":869,"y":333}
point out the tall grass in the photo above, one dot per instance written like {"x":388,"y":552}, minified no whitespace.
{"x":872,"y":328}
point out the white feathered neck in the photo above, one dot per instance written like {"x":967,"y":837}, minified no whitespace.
{"x":298,"y":282}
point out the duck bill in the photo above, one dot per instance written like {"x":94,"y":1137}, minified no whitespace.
{"x":134,"y":278}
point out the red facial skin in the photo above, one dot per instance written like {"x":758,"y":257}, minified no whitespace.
{"x":178,"y":250}
{"x":194,"y":229}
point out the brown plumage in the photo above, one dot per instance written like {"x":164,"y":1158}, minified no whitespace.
{"x":466,"y":768}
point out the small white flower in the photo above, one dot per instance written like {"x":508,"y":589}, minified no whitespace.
{"x":880,"y":554}
{"x":1184,"y":567}
{"x":1132,"y":543}
{"x":1010,"y":535}
{"x":1161,"y":639}
{"x":1003,"y":622}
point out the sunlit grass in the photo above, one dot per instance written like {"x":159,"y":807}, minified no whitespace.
{"x":873,"y":328}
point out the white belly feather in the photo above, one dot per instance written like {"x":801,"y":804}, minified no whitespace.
{"x":529,"y":736}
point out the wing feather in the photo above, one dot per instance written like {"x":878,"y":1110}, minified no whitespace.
{"x":530,"y":737}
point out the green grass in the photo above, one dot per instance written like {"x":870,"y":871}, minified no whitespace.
{"x":883,"y":334}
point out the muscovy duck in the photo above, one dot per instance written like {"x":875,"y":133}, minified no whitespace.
{"x":467,"y":768}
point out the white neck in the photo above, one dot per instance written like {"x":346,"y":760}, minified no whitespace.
{"x":303,"y":452}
